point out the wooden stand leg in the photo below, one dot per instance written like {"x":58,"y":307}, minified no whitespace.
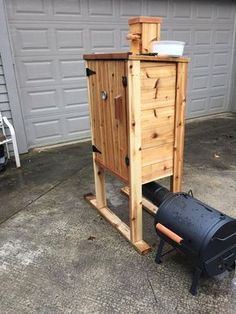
{"x":136,"y":214}
{"x":179,"y":127}
{"x":100,"y":188}
{"x":99,"y":202}
{"x":135,"y":154}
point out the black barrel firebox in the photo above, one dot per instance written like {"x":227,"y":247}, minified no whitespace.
{"x":196,"y":229}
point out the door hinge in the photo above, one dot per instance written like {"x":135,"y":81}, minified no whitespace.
{"x":127,"y":161}
{"x":95,"y":150}
{"x":89,"y":72}
{"x":124,"y":81}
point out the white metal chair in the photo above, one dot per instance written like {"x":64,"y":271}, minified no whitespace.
{"x":4,"y":122}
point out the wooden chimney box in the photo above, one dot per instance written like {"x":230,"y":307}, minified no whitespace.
{"x":142,"y":32}
{"x":137,"y":110}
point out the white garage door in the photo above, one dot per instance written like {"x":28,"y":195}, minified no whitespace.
{"x":50,"y":36}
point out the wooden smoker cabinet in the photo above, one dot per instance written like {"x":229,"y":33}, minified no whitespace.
{"x":137,"y":109}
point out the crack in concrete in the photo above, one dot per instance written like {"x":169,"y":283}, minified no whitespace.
{"x":150,"y":284}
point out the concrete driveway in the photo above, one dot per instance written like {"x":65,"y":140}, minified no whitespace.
{"x":57,"y":255}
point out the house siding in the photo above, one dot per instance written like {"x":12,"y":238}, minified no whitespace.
{"x":4,"y":100}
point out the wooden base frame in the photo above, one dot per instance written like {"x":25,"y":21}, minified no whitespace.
{"x":141,"y":246}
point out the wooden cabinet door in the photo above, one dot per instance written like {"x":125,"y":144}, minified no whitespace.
{"x":109,"y":114}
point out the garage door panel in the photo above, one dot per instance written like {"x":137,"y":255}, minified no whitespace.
{"x":217,"y":103}
{"x":50,"y":36}
{"x":72,"y":70}
{"x":53,"y":70}
{"x":56,"y":10}
{"x":69,"y":39}
{"x":221,"y":60}
{"x":200,"y":82}
{"x":223,"y":38}
{"x":182,"y":34}
{"x":44,"y":9}
{"x":219,"y":80}
{"x":204,"y":11}
{"x":225,"y":12}
{"x":101,"y":8}
{"x":54,"y":39}
{"x":54,"y":130}
{"x":31,"y":40}
{"x":198,"y":105}
{"x":61,"y":8}
{"x":203,"y":37}
{"x":102,"y":39}
{"x":24,"y":8}
{"x":40,"y":101}
{"x":77,"y":124}
{"x":157,"y":6}
{"x":50,"y":101}
{"x":130,"y":8}
{"x":201,"y":61}
{"x":75,"y":99}
{"x":181,"y":10}
{"x":37,"y":71}
{"x":46,"y":130}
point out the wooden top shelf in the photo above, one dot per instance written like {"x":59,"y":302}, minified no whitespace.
{"x":129,"y":56}
{"x":145,"y":19}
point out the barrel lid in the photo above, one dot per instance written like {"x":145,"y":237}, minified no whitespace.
{"x":145,"y":19}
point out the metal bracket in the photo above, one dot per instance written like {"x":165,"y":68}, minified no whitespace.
{"x":127,"y":161}
{"x":95,"y":150}
{"x":89,"y":72}
{"x":124,"y":81}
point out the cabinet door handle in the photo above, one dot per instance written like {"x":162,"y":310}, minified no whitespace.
{"x":118,"y":107}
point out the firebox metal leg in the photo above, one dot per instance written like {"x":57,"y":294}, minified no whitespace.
{"x":159,"y":252}
{"x":196,"y":276}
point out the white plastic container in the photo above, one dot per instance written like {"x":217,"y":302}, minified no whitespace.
{"x":168,"y":48}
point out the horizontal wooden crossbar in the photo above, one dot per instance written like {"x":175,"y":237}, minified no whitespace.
{"x":147,"y":205}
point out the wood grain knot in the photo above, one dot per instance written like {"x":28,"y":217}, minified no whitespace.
{"x":156,"y":87}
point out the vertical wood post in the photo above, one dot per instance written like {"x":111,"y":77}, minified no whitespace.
{"x":100,"y":188}
{"x":134,"y":131}
{"x":99,"y":176}
{"x":180,"y":105}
